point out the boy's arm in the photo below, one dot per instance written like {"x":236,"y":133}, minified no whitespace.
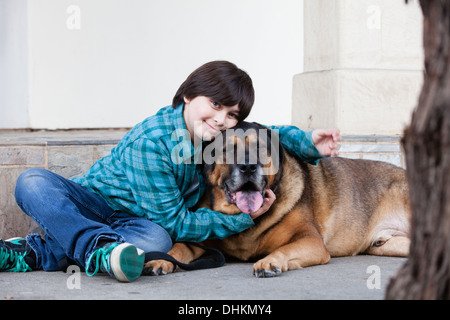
{"x":310,"y":146}
{"x":298,"y":142}
{"x":153,"y":185}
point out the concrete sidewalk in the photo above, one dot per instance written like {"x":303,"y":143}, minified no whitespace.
{"x":360,"y":277}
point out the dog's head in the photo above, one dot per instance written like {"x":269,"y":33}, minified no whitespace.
{"x":246,"y":160}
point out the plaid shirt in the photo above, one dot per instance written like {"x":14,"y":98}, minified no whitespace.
{"x":140,"y":177}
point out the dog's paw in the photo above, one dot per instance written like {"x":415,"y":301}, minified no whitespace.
{"x":158,"y":268}
{"x":266,"y":268}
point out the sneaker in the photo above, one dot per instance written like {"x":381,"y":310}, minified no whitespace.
{"x":122,"y":261}
{"x":16,"y":255}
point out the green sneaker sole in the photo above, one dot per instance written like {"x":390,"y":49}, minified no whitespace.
{"x":127,"y":262}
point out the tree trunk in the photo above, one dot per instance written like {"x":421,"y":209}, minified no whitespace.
{"x":426,"y":273}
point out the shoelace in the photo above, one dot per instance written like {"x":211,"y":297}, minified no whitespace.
{"x":101,"y":259}
{"x":13,"y":261}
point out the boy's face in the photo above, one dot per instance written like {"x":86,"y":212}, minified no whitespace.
{"x":205,"y":118}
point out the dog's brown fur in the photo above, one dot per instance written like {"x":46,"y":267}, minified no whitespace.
{"x":340,"y":207}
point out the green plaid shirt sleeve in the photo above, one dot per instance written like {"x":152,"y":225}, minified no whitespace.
{"x":149,"y":171}
{"x":298,"y":142}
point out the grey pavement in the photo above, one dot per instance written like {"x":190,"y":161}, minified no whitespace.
{"x":359,"y":277}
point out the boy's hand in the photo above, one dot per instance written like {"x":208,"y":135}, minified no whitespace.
{"x":268,"y":200}
{"x":326,"y":141}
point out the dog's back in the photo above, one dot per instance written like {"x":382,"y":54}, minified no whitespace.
{"x":364,"y":198}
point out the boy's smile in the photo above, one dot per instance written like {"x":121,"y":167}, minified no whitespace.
{"x":205,"y":118}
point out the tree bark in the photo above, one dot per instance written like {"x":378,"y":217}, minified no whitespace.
{"x":426,"y":273}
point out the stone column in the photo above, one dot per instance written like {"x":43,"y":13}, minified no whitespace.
{"x":363,"y":66}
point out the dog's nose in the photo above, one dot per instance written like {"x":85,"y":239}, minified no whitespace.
{"x":247,"y":168}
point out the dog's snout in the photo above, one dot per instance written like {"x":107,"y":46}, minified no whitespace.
{"x":248,"y":168}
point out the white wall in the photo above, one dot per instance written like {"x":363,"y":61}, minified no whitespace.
{"x":14,"y":97}
{"x":128,"y":57}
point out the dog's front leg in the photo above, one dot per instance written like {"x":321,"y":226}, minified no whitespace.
{"x":303,"y":252}
{"x":182,"y":252}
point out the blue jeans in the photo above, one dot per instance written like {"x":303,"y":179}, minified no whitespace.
{"x":75,"y":219}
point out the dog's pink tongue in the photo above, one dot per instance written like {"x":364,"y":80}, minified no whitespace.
{"x":249,"y":201}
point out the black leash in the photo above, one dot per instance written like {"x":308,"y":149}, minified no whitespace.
{"x":214,"y":258}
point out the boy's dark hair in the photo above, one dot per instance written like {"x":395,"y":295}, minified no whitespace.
{"x":221,"y":81}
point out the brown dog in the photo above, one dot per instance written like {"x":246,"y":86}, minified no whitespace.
{"x":340,"y":207}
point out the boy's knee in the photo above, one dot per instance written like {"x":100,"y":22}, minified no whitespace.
{"x":161,"y":239}
{"x":30,"y":182}
{"x":165,"y":242}
{"x":157,"y":239}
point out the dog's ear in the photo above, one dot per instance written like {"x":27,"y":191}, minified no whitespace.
{"x":277,"y":179}
{"x":278,"y":156}
{"x":207,"y":169}
{"x":209,"y":160}
{"x":275,"y":144}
